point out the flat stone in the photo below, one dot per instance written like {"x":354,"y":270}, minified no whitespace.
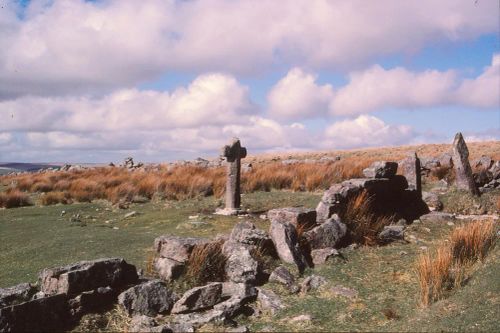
{"x":87,"y":275}
{"x":269,"y":301}
{"x":245,"y":232}
{"x":199,"y":298}
{"x":150,"y":298}
{"x":437,"y":217}
{"x":381,"y":169}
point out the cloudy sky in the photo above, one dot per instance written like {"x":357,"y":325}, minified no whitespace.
{"x":96,"y":81}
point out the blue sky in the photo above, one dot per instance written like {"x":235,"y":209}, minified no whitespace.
{"x":96,"y":81}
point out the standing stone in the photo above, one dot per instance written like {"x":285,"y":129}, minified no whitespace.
{"x":463,"y":172}
{"x":411,"y":170}
{"x":286,"y":242}
{"x":233,"y":154}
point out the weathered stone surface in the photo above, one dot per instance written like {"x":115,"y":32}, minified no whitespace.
{"x":312,"y":282}
{"x":149,"y":298}
{"x":482,"y":177}
{"x":46,"y":314}
{"x":446,"y":160}
{"x":240,"y":266}
{"x":168,"y":269}
{"x":269,"y":301}
{"x":381,"y":169}
{"x":16,"y":294}
{"x":437,"y":217}
{"x":196,"y":320}
{"x":298,"y":216}
{"x":344,"y":291}
{"x":233,"y":153}
{"x":432,"y":200}
{"x":285,"y":239}
{"x":199,"y":298}
{"x":87,"y":275}
{"x":327,"y":234}
{"x":391,"y":233}
{"x":412,"y":172}
{"x":142,"y":323}
{"x":240,"y":290}
{"x":246,"y":233}
{"x":484,"y":162}
{"x":463,"y":172}
{"x":92,"y":301}
{"x":495,"y":170}
{"x":177,"y":248}
{"x":321,"y":256}
{"x":282,"y":275}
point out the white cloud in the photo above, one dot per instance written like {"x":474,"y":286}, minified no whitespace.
{"x":366,"y":131}
{"x":64,"y":46}
{"x":298,"y":96}
{"x":211,"y":99}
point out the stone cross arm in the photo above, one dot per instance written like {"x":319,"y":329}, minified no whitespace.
{"x":234,"y":151}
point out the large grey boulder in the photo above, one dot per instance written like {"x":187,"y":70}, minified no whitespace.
{"x":463,"y":172}
{"x":298,"y":216}
{"x":199,"y":298}
{"x":16,"y":294}
{"x":47,"y":314}
{"x":381,"y":169}
{"x":240,"y":265}
{"x":177,"y":248}
{"x":286,"y":242}
{"x":327,"y":234}
{"x":149,"y":298}
{"x":86,"y":276}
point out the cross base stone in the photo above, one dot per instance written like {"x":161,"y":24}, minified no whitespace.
{"x":229,"y":211}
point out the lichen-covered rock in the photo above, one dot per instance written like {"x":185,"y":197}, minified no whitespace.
{"x":199,"y":298}
{"x":177,"y":248}
{"x":240,"y":265}
{"x":87,"y":275}
{"x":321,"y":256}
{"x":246,"y":233}
{"x":168,"y":269}
{"x":285,"y":239}
{"x":149,"y":298}
{"x":16,"y":294}
{"x":282,"y":275}
{"x":298,"y":216}
{"x":327,"y":234}
{"x":312,"y":282}
{"x":391,"y":233}
{"x":269,"y":301}
{"x":381,"y":169}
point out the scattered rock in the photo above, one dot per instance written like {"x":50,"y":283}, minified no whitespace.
{"x":344,"y":292}
{"x":87,"y":275}
{"x":437,"y":217}
{"x":199,"y":298}
{"x":238,"y":329}
{"x":321,"y":256}
{"x":283,"y":276}
{"x":301,"y":318}
{"x":269,"y":301}
{"x":391,"y":233}
{"x":432,"y":200}
{"x":177,"y":248}
{"x":149,"y":298}
{"x":381,"y":169}
{"x":312,"y":282}
{"x":131,"y":214}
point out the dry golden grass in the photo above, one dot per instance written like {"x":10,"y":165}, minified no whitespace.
{"x":447,"y":268}
{"x":14,"y":198}
{"x":206,"y":264}
{"x":362,"y":224}
{"x":55,"y":197}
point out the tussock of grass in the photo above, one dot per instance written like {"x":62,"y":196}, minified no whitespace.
{"x":447,"y":268}
{"x":206,"y":264}
{"x":363,"y":225}
{"x":14,"y":198}
{"x":55,"y":197}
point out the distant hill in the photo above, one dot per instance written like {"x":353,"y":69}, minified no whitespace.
{"x":17,"y":167}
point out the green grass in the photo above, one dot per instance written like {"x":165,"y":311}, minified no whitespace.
{"x":32,"y":238}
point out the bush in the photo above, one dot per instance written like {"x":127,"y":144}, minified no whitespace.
{"x":14,"y":198}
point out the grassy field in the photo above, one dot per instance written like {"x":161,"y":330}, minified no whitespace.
{"x":35,"y":237}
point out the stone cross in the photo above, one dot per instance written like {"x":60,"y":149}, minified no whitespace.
{"x":233,"y":154}
{"x":412,"y":172}
{"x":463,"y":172}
